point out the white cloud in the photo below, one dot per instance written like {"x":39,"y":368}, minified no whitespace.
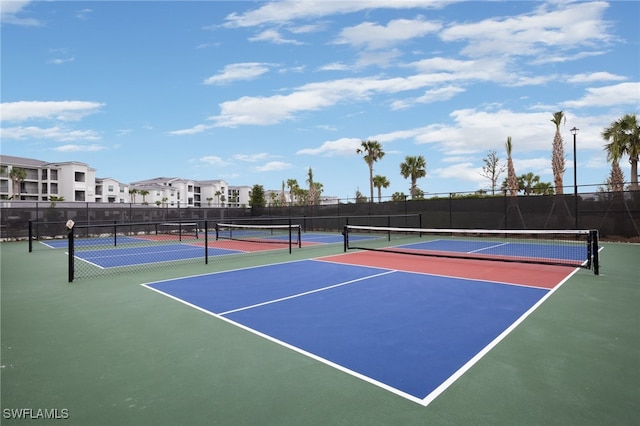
{"x":57,"y":133}
{"x":343,"y":146}
{"x":273,"y":166}
{"x":374,"y":36}
{"x":252,"y":158}
{"x":273,"y":36}
{"x":430,"y":96}
{"x":573,"y":26}
{"x":213,"y":160}
{"x":619,"y":94}
{"x":285,"y":11}
{"x":59,"y":110}
{"x":594,"y":76}
{"x":239,"y":71}
{"x":10,"y":9}
{"x":79,"y":148}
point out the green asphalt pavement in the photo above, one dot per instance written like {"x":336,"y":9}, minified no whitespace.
{"x":108,"y":351}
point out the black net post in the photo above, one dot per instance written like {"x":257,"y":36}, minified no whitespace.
{"x":30,"y":236}
{"x":345,"y":233}
{"x":289,"y":235}
{"x":594,"y":251}
{"x":71,"y":255}
{"x":206,"y":243}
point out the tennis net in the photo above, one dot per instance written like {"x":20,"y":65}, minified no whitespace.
{"x":554,"y":247}
{"x":289,"y":234}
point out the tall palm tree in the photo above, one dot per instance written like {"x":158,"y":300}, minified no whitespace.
{"x":557,"y":153}
{"x":623,"y":137}
{"x":380,"y":182}
{"x":292,"y":184}
{"x":372,"y":152}
{"x":415,"y":168}
{"x":512,"y":180}
{"x":144,"y":194}
{"x":313,"y":190}
{"x":133,"y":193}
{"x":17,"y":175}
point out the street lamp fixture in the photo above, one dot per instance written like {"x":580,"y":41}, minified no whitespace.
{"x":574,"y":132}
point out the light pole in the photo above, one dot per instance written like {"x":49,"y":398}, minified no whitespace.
{"x":574,"y":132}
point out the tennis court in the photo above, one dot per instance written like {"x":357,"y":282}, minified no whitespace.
{"x":399,"y":327}
{"x":325,"y":336}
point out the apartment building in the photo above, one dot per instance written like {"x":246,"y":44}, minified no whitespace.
{"x":39,"y":180}
{"x":109,"y":190}
{"x":76,"y":181}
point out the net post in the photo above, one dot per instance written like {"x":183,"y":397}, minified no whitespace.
{"x":299,"y":237}
{"x":30,"y":236}
{"x":345,"y":233}
{"x":115,"y":233}
{"x":289,"y":235}
{"x":71,"y":255}
{"x":594,"y":250}
{"x":217,"y":231}
{"x":206,"y":243}
{"x":180,"y":231}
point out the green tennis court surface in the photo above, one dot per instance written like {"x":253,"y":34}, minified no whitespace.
{"x":110,"y":352}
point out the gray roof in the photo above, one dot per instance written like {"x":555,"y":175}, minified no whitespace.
{"x":21,"y":161}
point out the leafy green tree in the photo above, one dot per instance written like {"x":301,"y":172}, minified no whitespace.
{"x":257,"y":197}
{"x":373,"y":152}
{"x":398,"y":196}
{"x":414,"y":167}
{"x":557,"y":153}
{"x":623,"y":137}
{"x":360,"y":198}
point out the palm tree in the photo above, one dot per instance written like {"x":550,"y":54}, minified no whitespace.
{"x":313,"y":190}
{"x":615,"y":182}
{"x":557,"y":153}
{"x":527,"y":182}
{"x":292,"y":184}
{"x":133,"y":193}
{"x":623,"y":137}
{"x":283,"y":197}
{"x":144,"y":194}
{"x":415,"y":168}
{"x":372,"y":152}
{"x":512,"y":180}
{"x":380,"y":182}
{"x":17,"y":175}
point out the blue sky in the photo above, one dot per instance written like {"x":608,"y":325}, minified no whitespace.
{"x":259,"y":92}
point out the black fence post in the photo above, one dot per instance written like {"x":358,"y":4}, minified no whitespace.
{"x":30,"y":236}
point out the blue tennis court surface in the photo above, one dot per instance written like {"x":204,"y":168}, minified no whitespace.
{"x":577,"y":253}
{"x":407,"y":332}
{"x":127,"y":256}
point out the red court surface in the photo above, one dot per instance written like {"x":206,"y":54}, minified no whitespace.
{"x":542,"y":276}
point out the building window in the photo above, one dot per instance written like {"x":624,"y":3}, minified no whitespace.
{"x":110,"y":188}
{"x":44,"y":189}
{"x":54,"y":188}
{"x":79,"y":196}
{"x":54,"y":175}
{"x":80,"y":177}
{"x":44,"y":174}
